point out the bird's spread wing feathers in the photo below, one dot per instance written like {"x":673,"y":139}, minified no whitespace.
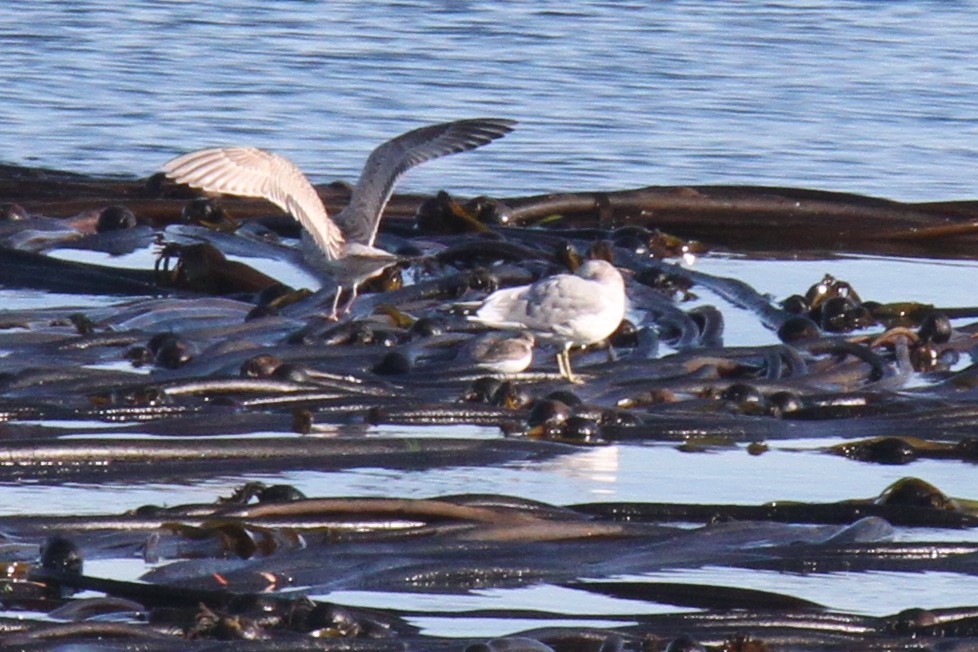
{"x":252,"y":172}
{"x":359,"y":220}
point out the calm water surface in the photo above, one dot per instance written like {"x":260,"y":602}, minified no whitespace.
{"x":872,"y":97}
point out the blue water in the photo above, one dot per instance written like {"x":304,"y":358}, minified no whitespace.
{"x":873,"y":97}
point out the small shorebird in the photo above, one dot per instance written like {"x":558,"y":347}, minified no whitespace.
{"x":566,"y":309}
{"x":500,"y":353}
{"x":344,"y":248}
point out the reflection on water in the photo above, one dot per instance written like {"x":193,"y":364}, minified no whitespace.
{"x":599,"y":467}
{"x":658,"y":473}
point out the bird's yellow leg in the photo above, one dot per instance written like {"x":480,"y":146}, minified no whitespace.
{"x":563,"y":363}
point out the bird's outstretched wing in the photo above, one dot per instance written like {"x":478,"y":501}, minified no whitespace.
{"x":360,"y":219}
{"x":253,"y":172}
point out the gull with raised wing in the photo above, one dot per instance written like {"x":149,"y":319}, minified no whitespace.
{"x":344,"y":248}
{"x":566,"y":309}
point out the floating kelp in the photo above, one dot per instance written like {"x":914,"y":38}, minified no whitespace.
{"x":241,"y":560}
{"x":198,"y":362}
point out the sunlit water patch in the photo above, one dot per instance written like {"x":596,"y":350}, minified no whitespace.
{"x":656,"y":473}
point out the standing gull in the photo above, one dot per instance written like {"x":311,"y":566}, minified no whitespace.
{"x":344,"y":248}
{"x":566,"y":309}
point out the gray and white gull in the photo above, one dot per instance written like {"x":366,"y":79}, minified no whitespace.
{"x":342,"y":248}
{"x":565,"y":309}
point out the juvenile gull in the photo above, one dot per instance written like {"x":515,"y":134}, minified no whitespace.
{"x":566,"y":309}
{"x":343,"y":249}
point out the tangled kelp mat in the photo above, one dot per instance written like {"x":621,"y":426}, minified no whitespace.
{"x":198,"y":362}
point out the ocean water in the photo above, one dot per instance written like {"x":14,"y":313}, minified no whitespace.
{"x":871,"y":97}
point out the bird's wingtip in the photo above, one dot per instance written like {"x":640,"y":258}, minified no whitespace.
{"x":506,"y":124}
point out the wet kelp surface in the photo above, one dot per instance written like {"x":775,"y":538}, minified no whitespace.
{"x":200,"y":363}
